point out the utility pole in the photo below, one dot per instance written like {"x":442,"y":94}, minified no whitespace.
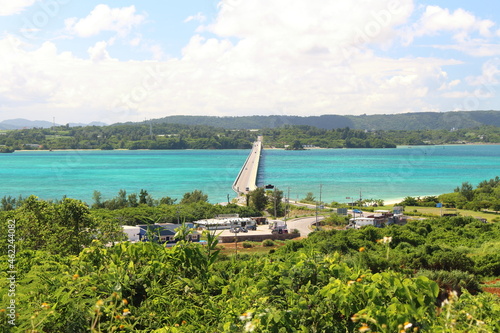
{"x":317,"y":205}
{"x":236,"y":230}
{"x":352,"y":205}
{"x":320,"y":191}
{"x":316,"y":216}
{"x":287,"y":204}
{"x":275,"y":214}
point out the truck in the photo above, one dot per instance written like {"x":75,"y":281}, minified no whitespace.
{"x":278,"y":226}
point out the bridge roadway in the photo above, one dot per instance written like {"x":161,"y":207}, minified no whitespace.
{"x":247,"y":178}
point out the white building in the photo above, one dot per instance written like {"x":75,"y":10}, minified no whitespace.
{"x":132,"y":232}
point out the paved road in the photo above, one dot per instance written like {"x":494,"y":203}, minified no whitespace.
{"x":247,"y":178}
{"x":303,"y":224}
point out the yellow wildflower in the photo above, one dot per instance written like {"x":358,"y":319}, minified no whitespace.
{"x":364,"y":328}
{"x":361,"y":249}
{"x":246,"y":316}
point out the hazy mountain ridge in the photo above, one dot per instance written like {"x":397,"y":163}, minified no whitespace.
{"x":403,"y":121}
{"x":20,"y":123}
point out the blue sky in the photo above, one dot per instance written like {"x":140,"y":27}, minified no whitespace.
{"x":111,"y":61}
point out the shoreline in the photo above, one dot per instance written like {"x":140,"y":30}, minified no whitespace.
{"x":392,"y":201}
{"x":398,"y":146}
{"x":269,"y":148}
{"x":398,"y":200}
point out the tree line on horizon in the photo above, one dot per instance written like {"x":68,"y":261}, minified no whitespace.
{"x":401,"y":121}
{"x":158,"y":136}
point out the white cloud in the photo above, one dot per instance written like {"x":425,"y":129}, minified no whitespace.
{"x":477,"y":94}
{"x":103,"y":18}
{"x":471,"y":35}
{"x":263,"y":57}
{"x":98,"y":52}
{"x":475,"y":48}
{"x":483,"y":89}
{"x":313,"y":25}
{"x":490,"y":74}
{"x":436,"y":20}
{"x":457,"y":94}
{"x":198,"y":17}
{"x":449,"y":85}
{"x":10,"y":7}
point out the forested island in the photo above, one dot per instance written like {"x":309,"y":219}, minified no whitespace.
{"x":151,"y":135}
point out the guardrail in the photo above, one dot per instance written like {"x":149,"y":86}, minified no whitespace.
{"x":253,"y":171}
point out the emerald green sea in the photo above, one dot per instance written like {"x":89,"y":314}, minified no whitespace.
{"x":377,"y":173}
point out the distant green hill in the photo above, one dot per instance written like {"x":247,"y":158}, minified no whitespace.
{"x":403,"y":121}
{"x":427,"y":120}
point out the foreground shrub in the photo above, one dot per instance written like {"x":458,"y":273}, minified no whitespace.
{"x":454,"y":281}
{"x":488,"y":265}
{"x":247,"y":245}
{"x":267,"y":242}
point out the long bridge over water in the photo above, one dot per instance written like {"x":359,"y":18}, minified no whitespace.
{"x":247,"y":177}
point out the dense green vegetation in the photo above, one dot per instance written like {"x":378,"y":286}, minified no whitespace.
{"x":297,"y":136}
{"x":404,"y":121}
{"x":161,"y":135}
{"x":69,"y":277}
{"x":63,"y":268}
{"x":128,"y":136}
{"x":450,"y":244}
{"x":68,"y":225}
{"x":348,"y":138}
{"x":486,"y":196}
{"x":401,"y":278}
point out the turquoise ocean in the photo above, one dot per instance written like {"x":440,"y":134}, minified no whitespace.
{"x":387,"y":174}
